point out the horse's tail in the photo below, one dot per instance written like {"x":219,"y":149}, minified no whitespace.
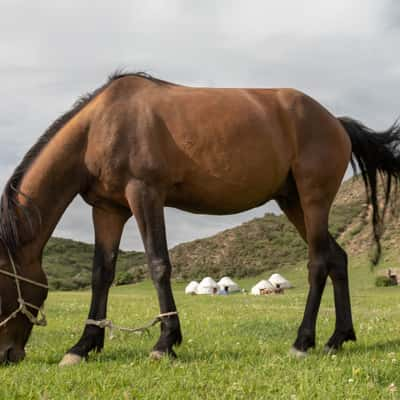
{"x":376,"y":153}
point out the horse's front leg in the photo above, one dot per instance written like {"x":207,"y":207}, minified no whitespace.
{"x":108,"y":228}
{"x":147,"y":206}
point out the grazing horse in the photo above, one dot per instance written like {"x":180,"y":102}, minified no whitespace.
{"x":138,"y":144}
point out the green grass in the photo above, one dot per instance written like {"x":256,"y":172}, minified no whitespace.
{"x":234,"y":347}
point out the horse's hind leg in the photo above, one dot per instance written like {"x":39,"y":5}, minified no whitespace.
{"x":344,"y":330}
{"x":108,"y":228}
{"x":311,"y":220}
{"x":326,"y":257}
{"x":147,"y":206}
{"x":316,"y":222}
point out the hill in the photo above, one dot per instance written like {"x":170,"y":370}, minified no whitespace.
{"x":68,"y":264}
{"x":259,"y":245}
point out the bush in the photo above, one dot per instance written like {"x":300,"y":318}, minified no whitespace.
{"x":384,"y":281}
{"x":124,"y":278}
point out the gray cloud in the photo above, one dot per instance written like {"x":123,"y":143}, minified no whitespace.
{"x":342,"y":53}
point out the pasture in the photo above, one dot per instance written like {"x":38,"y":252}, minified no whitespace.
{"x":234,"y":347}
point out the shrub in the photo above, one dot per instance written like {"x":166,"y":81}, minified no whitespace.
{"x":124,"y":278}
{"x":383,"y":281}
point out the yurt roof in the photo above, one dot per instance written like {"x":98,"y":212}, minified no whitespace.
{"x":279,"y":279}
{"x":192,"y":284}
{"x":264,"y":284}
{"x":208,"y":282}
{"x":226,"y":281}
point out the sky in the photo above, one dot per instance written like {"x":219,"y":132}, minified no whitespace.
{"x":345,"y":54}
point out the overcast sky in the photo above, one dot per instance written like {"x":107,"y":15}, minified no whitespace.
{"x":343,"y":53}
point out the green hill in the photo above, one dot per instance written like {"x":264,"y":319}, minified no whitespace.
{"x":259,"y":245}
{"x":68,"y":264}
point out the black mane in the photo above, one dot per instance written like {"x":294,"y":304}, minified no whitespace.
{"x":9,"y":231}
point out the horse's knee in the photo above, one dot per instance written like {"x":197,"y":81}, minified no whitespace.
{"x":160,"y":271}
{"x":317,"y":272}
{"x":338,"y":264}
{"x":103,"y":267}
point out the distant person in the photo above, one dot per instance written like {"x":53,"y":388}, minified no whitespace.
{"x":223,"y":291}
{"x":392,"y":276}
{"x":278,"y":289}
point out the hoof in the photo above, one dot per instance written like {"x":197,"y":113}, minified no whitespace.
{"x":157,"y":355}
{"x":297,"y":353}
{"x":70,"y":359}
{"x":330,"y":350}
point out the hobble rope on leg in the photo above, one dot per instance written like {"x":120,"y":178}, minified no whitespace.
{"x":106,"y":323}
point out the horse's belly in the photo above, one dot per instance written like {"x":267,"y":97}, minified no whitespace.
{"x":213,"y":195}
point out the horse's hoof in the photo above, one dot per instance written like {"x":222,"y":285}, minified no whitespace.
{"x":70,"y":359}
{"x":157,"y":355}
{"x":297,"y":353}
{"x":330,"y":350}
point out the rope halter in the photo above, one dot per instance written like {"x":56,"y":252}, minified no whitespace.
{"x":22,"y":304}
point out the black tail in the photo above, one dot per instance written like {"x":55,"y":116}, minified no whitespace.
{"x":376,"y":153}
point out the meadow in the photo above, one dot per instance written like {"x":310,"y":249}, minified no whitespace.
{"x":235,"y":347}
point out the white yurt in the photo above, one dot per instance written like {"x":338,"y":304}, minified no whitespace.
{"x":277,"y":279}
{"x":207,"y":286}
{"x":191,"y":288}
{"x":260,"y":286}
{"x":229,"y":283}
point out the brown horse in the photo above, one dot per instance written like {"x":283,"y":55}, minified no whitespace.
{"x":138,"y":144}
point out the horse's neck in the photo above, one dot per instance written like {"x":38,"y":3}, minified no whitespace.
{"x":55,"y":177}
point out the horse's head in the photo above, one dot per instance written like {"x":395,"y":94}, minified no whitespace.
{"x":18,"y":313}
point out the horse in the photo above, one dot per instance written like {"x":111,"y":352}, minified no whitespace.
{"x":138,"y":144}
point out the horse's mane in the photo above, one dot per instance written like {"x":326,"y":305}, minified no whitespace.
{"x":9,"y":220}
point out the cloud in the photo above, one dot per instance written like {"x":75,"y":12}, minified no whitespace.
{"x":341,"y":53}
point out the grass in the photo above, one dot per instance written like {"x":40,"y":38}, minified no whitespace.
{"x":234,"y":347}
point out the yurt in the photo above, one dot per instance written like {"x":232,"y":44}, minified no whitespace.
{"x":227,"y":282}
{"x":207,"y":286}
{"x":191,"y":288}
{"x":262,"y":285}
{"x":277,"y":279}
